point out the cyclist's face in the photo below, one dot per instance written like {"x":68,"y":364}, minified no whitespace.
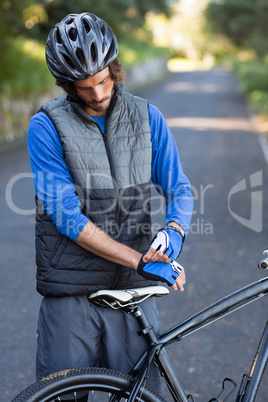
{"x":96,"y":92}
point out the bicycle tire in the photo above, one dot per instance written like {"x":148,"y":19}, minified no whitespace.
{"x":85,"y":379}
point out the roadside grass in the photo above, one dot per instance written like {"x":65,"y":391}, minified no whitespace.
{"x":253,"y":78}
{"x":24,"y":76}
{"x":23,"y":71}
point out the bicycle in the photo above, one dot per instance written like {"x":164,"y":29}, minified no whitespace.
{"x":100,"y":383}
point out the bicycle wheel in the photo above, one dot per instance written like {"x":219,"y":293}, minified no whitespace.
{"x":98,"y":384}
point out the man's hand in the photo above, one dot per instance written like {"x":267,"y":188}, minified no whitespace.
{"x":166,"y":245}
{"x":171,"y":273}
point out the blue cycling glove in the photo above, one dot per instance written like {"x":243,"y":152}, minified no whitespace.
{"x":159,"y":271}
{"x":169,"y":240}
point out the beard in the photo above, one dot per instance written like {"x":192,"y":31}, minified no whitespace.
{"x":98,"y":107}
{"x":101,"y":106}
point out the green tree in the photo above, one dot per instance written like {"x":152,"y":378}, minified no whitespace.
{"x":34,"y":18}
{"x":243,"y":22}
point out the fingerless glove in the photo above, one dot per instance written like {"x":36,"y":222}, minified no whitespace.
{"x":158,"y":271}
{"x":169,"y":240}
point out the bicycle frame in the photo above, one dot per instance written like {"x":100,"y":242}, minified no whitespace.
{"x":208,"y":315}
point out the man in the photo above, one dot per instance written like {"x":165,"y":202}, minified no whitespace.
{"x":95,"y":152}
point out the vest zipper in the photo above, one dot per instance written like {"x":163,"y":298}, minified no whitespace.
{"x":112,"y":169}
{"x":116,"y":189}
{"x":117,"y":193}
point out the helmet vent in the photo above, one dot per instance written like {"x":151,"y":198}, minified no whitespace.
{"x":102,"y":28}
{"x":58,"y":37}
{"x":103,"y":45}
{"x":73,"y":34}
{"x":110,"y":53}
{"x":70,"y":21}
{"x":86,"y":25}
{"x":80,"y":55}
{"x":68,"y":60}
{"x":93,"y":52}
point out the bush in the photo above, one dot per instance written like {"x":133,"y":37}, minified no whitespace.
{"x":253,"y":78}
{"x":23,"y":71}
{"x":253,"y":75}
{"x":259,"y":102}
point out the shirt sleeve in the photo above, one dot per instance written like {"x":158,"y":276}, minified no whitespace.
{"x":167,"y":172}
{"x":52,"y":180}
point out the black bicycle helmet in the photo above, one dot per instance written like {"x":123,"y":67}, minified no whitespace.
{"x":80,"y":46}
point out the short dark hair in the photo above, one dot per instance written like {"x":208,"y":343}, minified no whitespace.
{"x":117,"y":74}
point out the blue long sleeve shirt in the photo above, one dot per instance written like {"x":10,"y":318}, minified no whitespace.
{"x":54,"y":185}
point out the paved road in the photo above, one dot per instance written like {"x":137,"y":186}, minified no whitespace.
{"x":222,"y":157}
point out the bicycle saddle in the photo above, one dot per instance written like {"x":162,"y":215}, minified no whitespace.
{"x":125,"y":297}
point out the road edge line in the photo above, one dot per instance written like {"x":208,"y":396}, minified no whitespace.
{"x":264,"y":145}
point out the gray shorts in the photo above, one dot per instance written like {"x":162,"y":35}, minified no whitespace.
{"x":75,"y":333}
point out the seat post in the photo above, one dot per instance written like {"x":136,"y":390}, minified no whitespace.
{"x":147,"y":329}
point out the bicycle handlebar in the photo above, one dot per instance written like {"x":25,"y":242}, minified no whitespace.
{"x":263,"y":264}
